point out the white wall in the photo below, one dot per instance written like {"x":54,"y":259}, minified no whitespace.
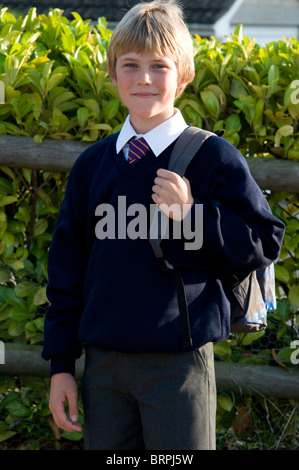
{"x":268,"y":20}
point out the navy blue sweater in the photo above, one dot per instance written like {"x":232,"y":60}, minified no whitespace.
{"x":92,"y":295}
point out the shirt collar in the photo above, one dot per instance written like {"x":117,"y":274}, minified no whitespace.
{"x":158,"y":138}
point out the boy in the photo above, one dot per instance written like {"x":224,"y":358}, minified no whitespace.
{"x":142,"y":389}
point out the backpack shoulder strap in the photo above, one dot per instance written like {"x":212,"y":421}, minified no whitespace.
{"x":186,"y":147}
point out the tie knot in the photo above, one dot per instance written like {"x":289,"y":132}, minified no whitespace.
{"x":138,"y":148}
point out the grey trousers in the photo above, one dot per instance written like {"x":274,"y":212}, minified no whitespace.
{"x":149,"y":401}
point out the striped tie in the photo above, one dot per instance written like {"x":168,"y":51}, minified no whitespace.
{"x":137,"y":150}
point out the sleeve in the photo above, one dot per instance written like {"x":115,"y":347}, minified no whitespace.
{"x":65,"y":290}
{"x":237,"y":228}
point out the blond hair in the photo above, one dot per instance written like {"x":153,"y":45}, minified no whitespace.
{"x":158,"y":28}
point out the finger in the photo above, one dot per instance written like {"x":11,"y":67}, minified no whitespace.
{"x":62,"y":420}
{"x":59,"y":415}
{"x":161,"y":182}
{"x":165,"y":185}
{"x":73,"y":408}
{"x":168,"y":175}
{"x":163,"y":173}
{"x":67,"y":424}
{"x":157,"y":199}
{"x":158,"y":189}
{"x":186,"y":181}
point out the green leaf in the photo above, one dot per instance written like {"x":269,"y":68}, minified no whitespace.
{"x":233,"y":123}
{"x":248,"y":338}
{"x":23,"y":215}
{"x":93,"y":107}
{"x":239,"y":33}
{"x":258,"y":114}
{"x":40,"y":227}
{"x":11,"y":67}
{"x":281,"y":273}
{"x":3,"y":223}
{"x":18,"y":316}
{"x":6,"y":200}
{"x":15,"y":330}
{"x":18,"y":409}
{"x":222,"y":349}
{"x":8,"y":239}
{"x":285,"y":354}
{"x":73,"y":436}
{"x":54,"y":81}
{"x":251,"y":73}
{"x":27,"y":173}
{"x":283,"y":131}
{"x":238,"y":89}
{"x":294,"y":296}
{"x":4,"y":435}
{"x":194,"y":105}
{"x":5,"y":186}
{"x":82,"y":116}
{"x":38,"y":138}
{"x":211,"y":102}
{"x":14,"y":226}
{"x":15,"y":263}
{"x":110,"y":109}
{"x":273,"y":79}
{"x":39,"y":323}
{"x":225,"y":402}
{"x":40,"y":297}
{"x":24,"y":288}
{"x":4,"y":275}
{"x":59,"y":96}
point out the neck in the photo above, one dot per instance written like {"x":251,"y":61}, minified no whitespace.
{"x":142,"y":126}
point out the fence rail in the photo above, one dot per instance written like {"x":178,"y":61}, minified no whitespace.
{"x":60,"y":155}
{"x":247,"y":379}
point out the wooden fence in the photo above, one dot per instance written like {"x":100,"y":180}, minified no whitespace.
{"x":247,"y":379}
{"x":59,"y":155}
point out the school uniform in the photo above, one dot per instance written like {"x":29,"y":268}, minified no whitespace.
{"x":142,"y":387}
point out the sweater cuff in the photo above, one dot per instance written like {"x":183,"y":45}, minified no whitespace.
{"x":62,"y":364}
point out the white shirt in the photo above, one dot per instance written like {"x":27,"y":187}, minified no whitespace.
{"x":158,"y":138}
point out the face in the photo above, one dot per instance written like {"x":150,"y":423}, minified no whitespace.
{"x":147,"y":86}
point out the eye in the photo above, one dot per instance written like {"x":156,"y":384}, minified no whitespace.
{"x":130,"y":65}
{"x":160,"y":66}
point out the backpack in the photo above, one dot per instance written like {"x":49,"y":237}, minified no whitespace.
{"x":253,"y":295}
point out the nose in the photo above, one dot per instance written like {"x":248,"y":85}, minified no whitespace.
{"x":144,"y":77}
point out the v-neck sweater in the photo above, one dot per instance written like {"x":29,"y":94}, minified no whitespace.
{"x":110,"y":291}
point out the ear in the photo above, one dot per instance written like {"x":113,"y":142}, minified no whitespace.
{"x":113,"y":79}
{"x":182,"y":85}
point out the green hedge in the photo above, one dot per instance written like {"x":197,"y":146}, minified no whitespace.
{"x":251,"y":91}
{"x":56,"y":86}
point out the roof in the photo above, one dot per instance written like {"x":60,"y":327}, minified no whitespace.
{"x":196,"y":11}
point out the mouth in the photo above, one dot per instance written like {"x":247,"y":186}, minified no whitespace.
{"x":144,"y":95}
